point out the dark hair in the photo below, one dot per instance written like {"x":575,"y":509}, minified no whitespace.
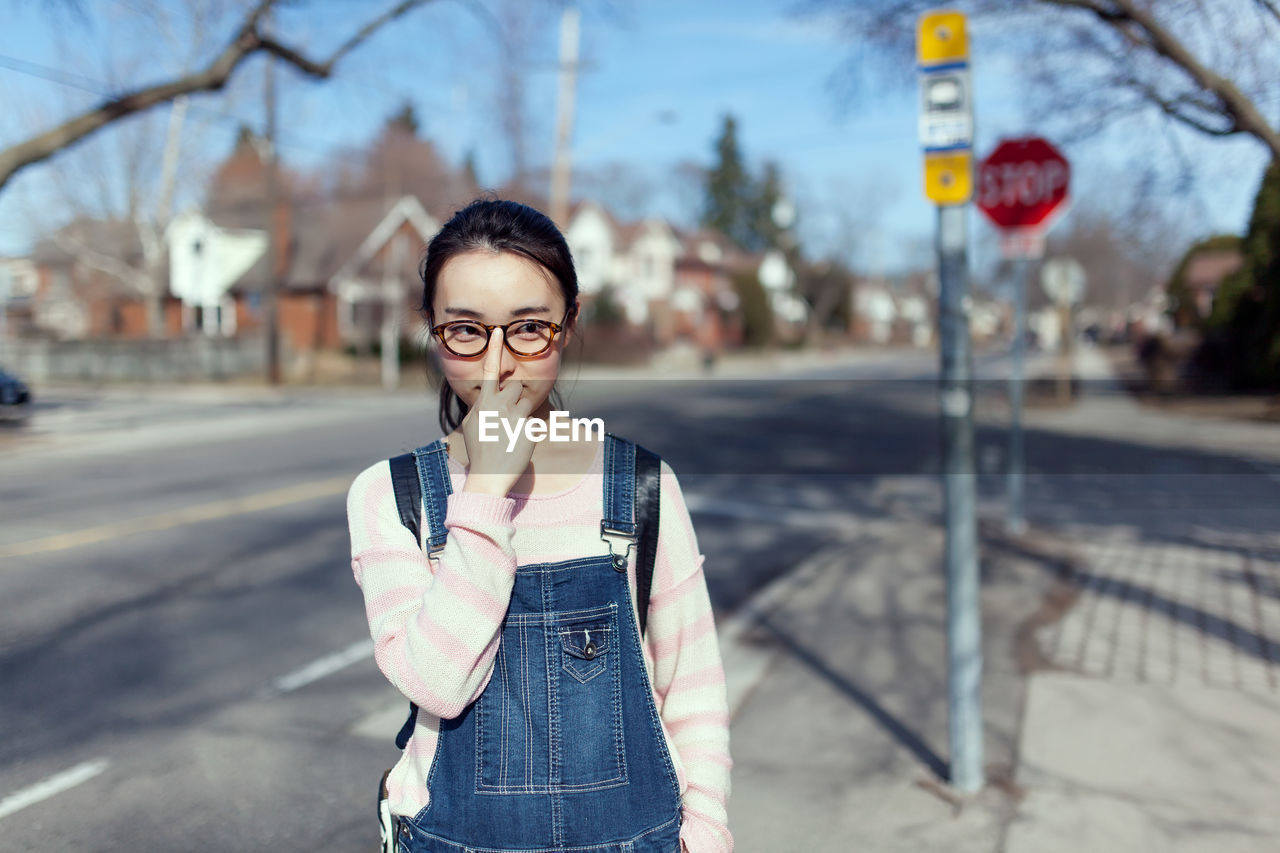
{"x":495,"y":225}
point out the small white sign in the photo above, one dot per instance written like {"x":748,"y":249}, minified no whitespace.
{"x":946,"y":111}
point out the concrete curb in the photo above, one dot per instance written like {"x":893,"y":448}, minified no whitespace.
{"x":746,"y":660}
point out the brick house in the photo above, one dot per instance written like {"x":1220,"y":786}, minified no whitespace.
{"x":334,"y":270}
{"x":1205,"y":272}
{"x":89,"y":281}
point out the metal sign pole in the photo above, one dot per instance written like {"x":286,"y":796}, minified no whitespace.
{"x":964,"y":625}
{"x":946,"y":132}
{"x":1016,"y":519}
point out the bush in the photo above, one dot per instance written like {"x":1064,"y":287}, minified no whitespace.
{"x":757,"y":314}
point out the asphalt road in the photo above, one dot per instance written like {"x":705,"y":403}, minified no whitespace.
{"x":183,"y":650}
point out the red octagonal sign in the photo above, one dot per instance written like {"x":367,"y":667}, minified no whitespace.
{"x":1023,"y":183}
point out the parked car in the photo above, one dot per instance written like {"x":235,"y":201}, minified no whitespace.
{"x":15,"y":396}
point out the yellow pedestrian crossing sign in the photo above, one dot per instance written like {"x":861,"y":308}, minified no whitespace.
{"x":948,"y":176}
{"x":946,"y":106}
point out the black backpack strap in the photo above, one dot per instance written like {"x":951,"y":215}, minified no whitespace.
{"x":648,"y":496}
{"x":404,"y":480}
{"x":405,"y":483}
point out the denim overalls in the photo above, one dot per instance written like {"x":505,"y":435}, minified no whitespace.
{"x":563,"y":751}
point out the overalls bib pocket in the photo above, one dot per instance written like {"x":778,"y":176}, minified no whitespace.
{"x":586,"y":650}
{"x":551,"y":717}
{"x":589,"y":701}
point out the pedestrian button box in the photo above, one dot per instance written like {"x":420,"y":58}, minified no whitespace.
{"x":942,"y":38}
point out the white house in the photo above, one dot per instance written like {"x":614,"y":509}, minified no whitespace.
{"x":592,"y":236}
{"x":205,"y":260}
{"x":645,"y":269}
{"x":637,"y":260}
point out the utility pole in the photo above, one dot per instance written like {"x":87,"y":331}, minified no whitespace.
{"x":561,"y":171}
{"x":946,"y":132}
{"x":271,"y":302}
{"x":392,"y":306}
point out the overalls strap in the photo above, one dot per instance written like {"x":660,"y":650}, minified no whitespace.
{"x":619,"y":524}
{"x":433,"y":474}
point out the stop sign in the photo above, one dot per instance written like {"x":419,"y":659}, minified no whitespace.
{"x":1022,"y":183}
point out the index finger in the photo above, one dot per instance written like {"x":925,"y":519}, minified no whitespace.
{"x":493,"y":356}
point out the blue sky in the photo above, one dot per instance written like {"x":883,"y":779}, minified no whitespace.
{"x":656,"y":81}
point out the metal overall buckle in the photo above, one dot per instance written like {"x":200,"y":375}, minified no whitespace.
{"x":614,"y":536}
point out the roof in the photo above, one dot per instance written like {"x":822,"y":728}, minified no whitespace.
{"x":1206,"y":270}
{"x":115,"y":238}
{"x":328,"y":236}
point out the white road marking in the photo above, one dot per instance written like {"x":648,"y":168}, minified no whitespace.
{"x":325,"y":666}
{"x":52,"y":786}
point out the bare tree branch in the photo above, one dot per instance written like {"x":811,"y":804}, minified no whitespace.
{"x":248,"y":40}
{"x":1270,"y":8}
{"x":102,"y":262}
{"x":1244,"y":114}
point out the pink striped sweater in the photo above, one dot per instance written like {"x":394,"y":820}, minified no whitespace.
{"x":436,"y":629}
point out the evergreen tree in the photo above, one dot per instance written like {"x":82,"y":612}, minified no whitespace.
{"x":470,"y":173}
{"x":406,"y":120}
{"x":738,"y":205}
{"x":765,"y":232}
{"x":1251,"y":297}
{"x":728,"y":188}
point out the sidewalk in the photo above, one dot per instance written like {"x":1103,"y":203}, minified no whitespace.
{"x":1131,"y":686}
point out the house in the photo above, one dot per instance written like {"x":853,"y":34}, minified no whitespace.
{"x":93,"y":280}
{"x":704,"y":304}
{"x":19,"y":281}
{"x":898,"y":308}
{"x":875,"y":311}
{"x":1205,"y":272}
{"x":677,"y":284}
{"x":636,"y":261}
{"x":340,"y":264}
{"x":591,"y":235}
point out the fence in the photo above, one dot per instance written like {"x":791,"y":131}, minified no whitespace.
{"x":170,"y":360}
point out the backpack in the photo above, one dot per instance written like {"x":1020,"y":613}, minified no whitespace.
{"x":407,"y":485}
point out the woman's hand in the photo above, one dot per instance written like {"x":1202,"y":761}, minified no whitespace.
{"x":493,"y":469}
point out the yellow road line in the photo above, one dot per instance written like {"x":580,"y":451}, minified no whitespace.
{"x":179,"y":517}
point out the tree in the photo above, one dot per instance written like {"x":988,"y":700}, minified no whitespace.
{"x":763,"y":207}
{"x":727,"y":205}
{"x":249,"y":37}
{"x":1247,"y":308}
{"x":402,"y":162}
{"x":1204,"y":64}
{"x":120,"y":198}
{"x":1126,"y":249}
{"x":470,"y":173}
{"x":827,"y":285}
{"x":757,"y":314}
{"x":737,"y":204}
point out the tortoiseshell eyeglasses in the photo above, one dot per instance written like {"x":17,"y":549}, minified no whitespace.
{"x":527,"y":337}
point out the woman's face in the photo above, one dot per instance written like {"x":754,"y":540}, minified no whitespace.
{"x":496,"y":288}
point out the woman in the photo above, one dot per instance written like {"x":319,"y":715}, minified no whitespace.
{"x":603,"y":741}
